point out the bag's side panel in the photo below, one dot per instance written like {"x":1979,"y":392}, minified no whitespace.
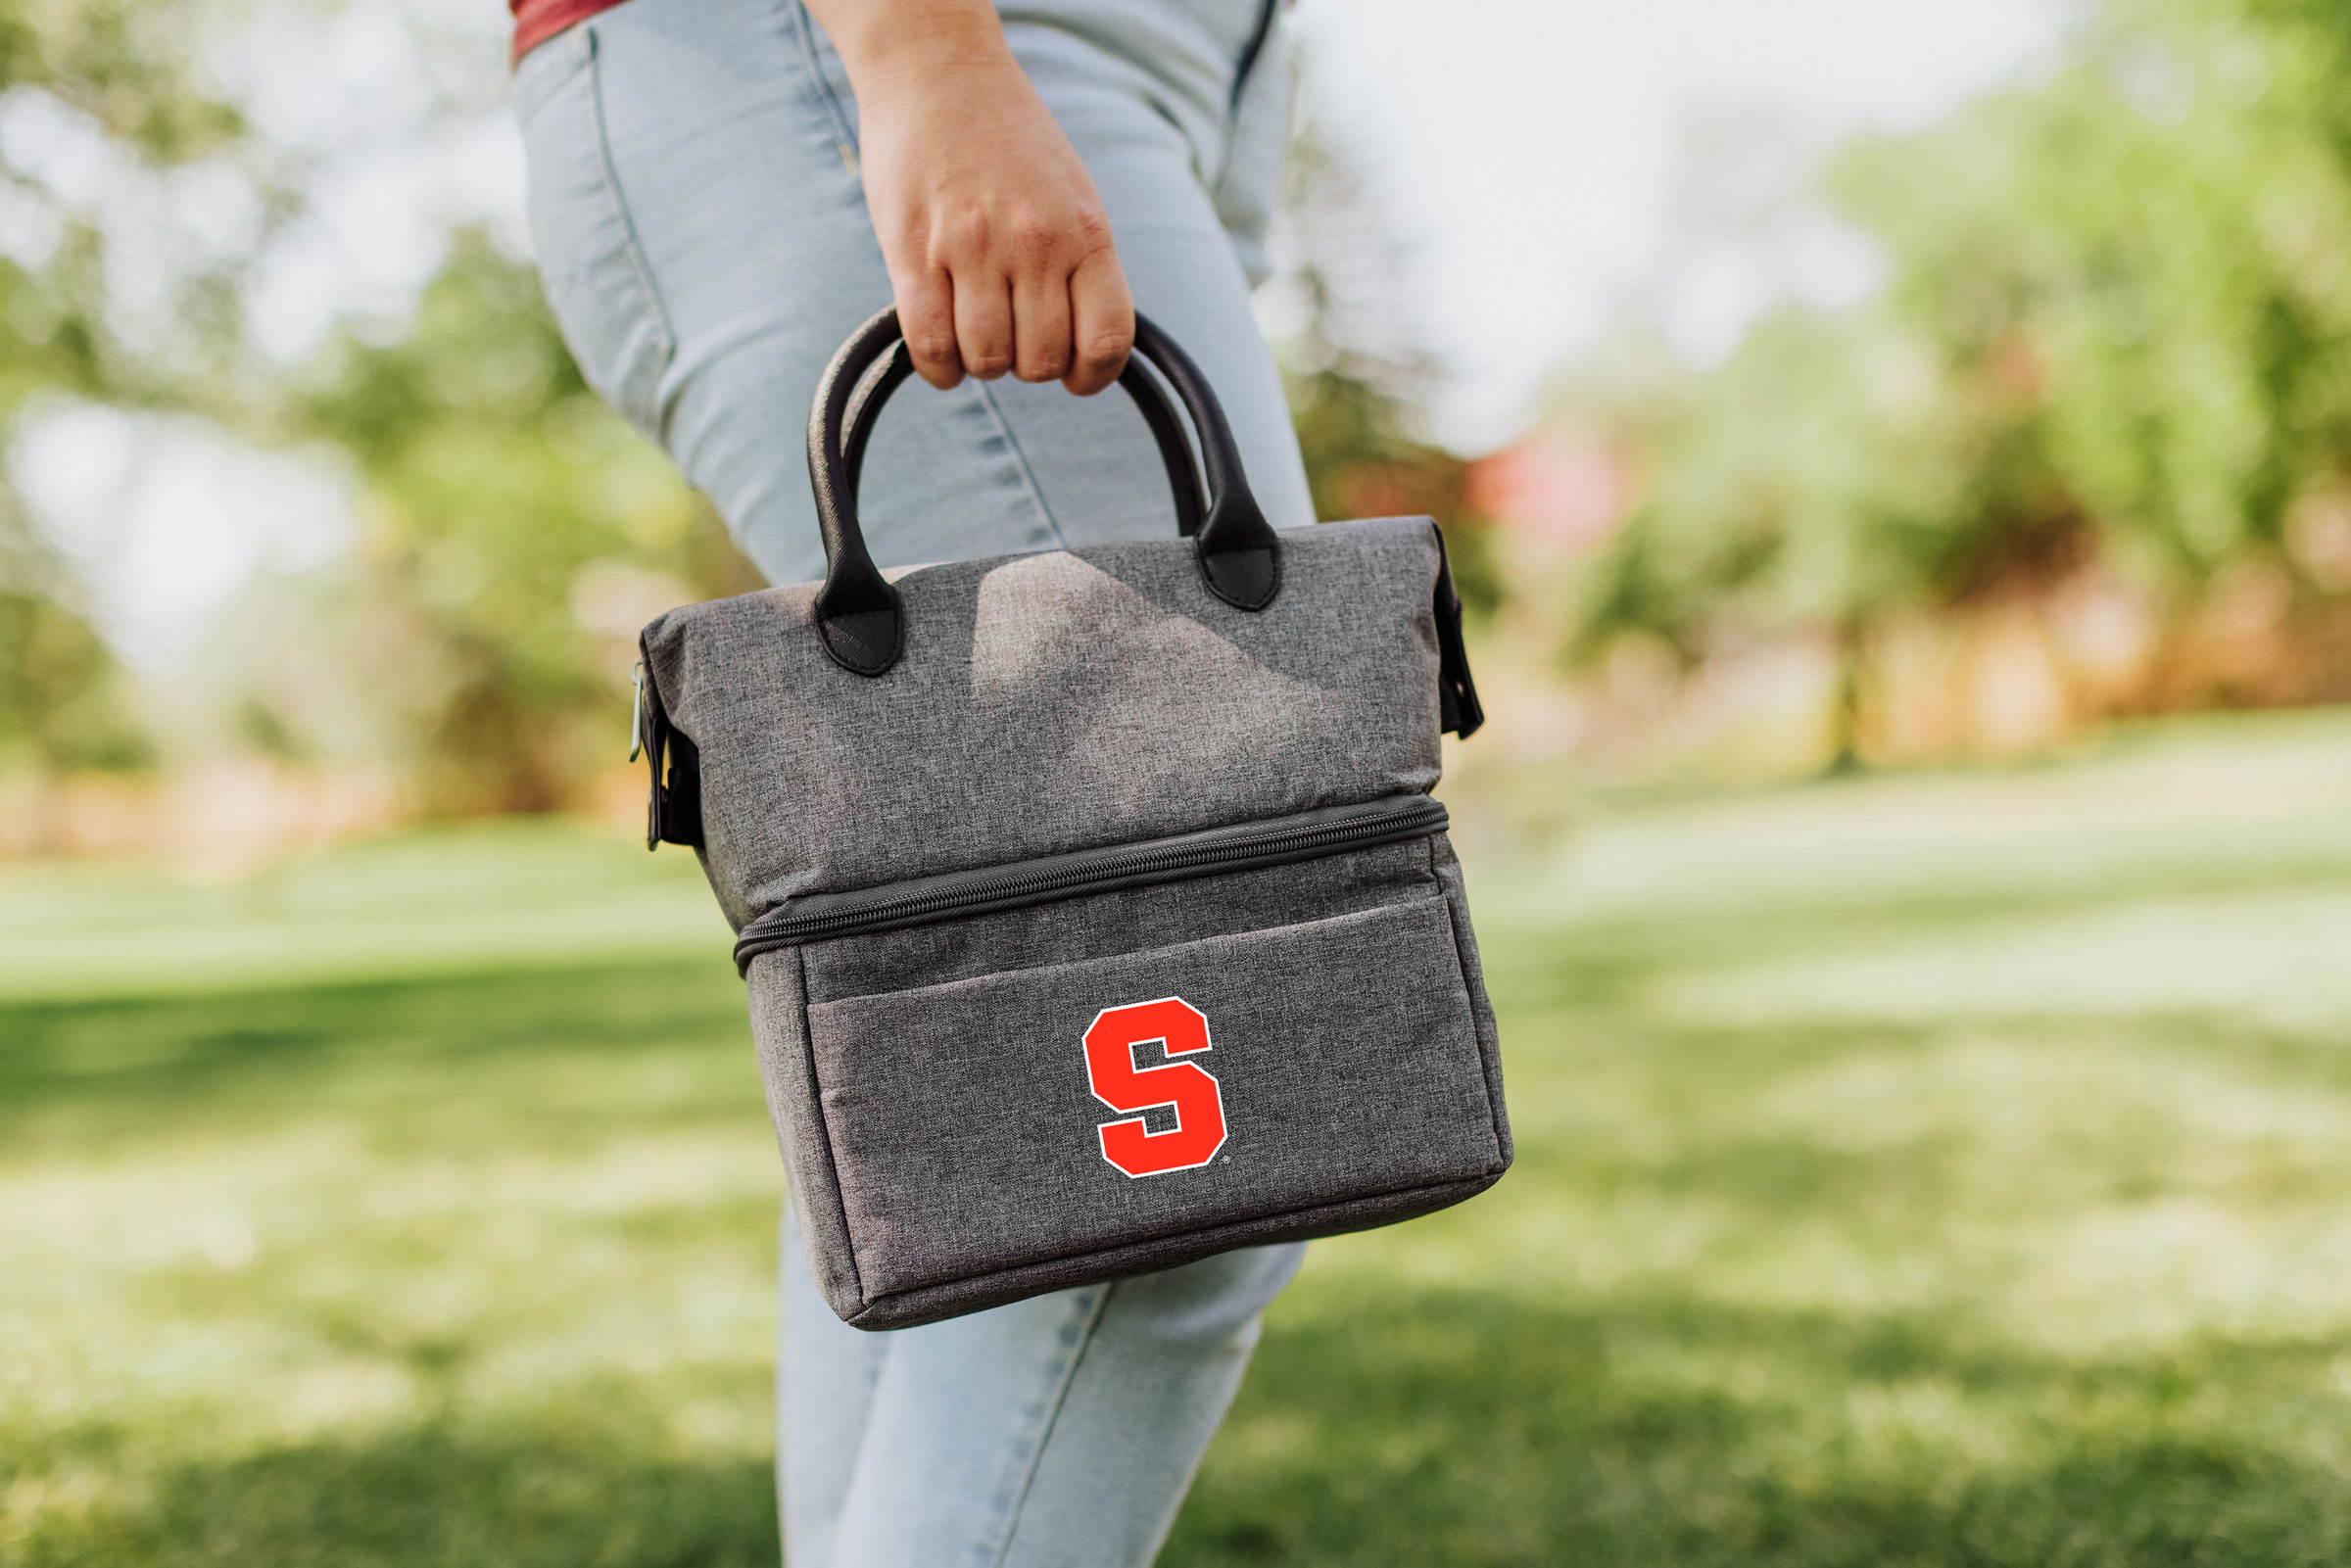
{"x":780,"y":1034}
{"x":1448,"y":870}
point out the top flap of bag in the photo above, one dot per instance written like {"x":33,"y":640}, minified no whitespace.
{"x":1052,"y":702}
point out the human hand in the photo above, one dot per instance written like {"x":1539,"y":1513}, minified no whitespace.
{"x":998,"y":248}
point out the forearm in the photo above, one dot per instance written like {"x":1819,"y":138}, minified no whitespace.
{"x":896,"y":47}
{"x":999,"y":253}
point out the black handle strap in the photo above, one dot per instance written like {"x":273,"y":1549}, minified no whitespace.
{"x":1238,"y":553}
{"x":1167,"y":428}
{"x":858,"y":615}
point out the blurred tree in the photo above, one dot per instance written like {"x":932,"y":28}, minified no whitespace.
{"x":516,"y":533}
{"x":2157,"y":241}
{"x":1830,"y":474}
{"x":78,"y":76}
{"x":110,"y":109}
{"x":2118,"y":324}
{"x":63,"y":703}
{"x":1356,"y":382}
{"x":62,"y":706}
{"x":513,"y":531}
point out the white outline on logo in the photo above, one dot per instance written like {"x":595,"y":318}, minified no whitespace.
{"x":1102,"y":1131}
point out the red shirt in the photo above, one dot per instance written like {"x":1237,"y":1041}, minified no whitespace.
{"x":536,"y":21}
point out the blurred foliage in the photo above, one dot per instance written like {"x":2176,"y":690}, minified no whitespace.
{"x":516,"y":535}
{"x":113,"y":108}
{"x":1355,"y":382}
{"x":2116,"y":327}
{"x":2114,"y":334}
{"x":2151,"y":252}
{"x":513,"y":532}
{"x":128,"y":64}
{"x":84,"y":75}
{"x":62,"y":706}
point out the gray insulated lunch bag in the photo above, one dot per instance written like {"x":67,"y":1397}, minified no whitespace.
{"x":1095,"y":912}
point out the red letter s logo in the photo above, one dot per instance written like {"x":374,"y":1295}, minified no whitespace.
{"x":1192,"y":1090}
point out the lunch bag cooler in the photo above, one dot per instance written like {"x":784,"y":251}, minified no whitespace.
{"x":1095,"y":914}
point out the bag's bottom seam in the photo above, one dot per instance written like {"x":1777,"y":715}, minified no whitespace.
{"x":1489,"y":1175}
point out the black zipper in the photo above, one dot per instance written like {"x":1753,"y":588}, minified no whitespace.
{"x":1307,"y":835}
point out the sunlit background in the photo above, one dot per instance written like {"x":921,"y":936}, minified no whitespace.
{"x":1900,"y":458}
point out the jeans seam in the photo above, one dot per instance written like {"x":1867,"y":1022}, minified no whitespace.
{"x":630,"y":246}
{"x":805,"y":27}
{"x":531,"y":96}
{"x":1037,"y":1452}
{"x":1245,"y":72}
{"x":1020,"y":462}
{"x":1251,"y":57}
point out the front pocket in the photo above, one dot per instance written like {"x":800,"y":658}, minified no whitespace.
{"x":965,"y":1129}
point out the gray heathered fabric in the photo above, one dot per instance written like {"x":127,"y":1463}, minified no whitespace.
{"x":1473,"y":977}
{"x":1138,"y":920}
{"x":928,"y":1084}
{"x":967,"y":1152}
{"x":1051,"y":703}
{"x":940,"y":1132}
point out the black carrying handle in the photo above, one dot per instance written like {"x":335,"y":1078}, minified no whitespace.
{"x":1175,"y":447}
{"x":858,"y":615}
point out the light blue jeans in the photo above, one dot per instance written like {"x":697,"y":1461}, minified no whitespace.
{"x":702,"y":234}
{"x":702,"y":231}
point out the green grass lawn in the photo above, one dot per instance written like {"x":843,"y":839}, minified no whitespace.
{"x":1948,"y":1168}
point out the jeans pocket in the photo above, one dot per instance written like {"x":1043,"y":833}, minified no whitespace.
{"x":590,"y":261}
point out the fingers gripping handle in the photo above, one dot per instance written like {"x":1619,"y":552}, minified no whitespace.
{"x":858,"y":613}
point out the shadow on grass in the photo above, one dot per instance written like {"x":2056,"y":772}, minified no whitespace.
{"x":1405,"y":1425}
{"x":428,"y":1498}
{"x":1445,"y":1428}
{"x":174,"y":1050}
{"x":1473,"y":1429}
